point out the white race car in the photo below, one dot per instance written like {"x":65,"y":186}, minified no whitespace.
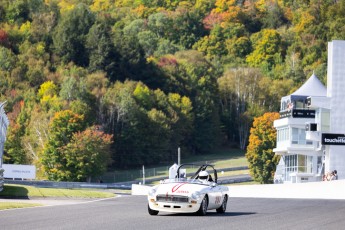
{"x":195,"y":195}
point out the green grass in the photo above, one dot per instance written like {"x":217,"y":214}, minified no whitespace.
{"x":243,"y":183}
{"x":30,"y":191}
{"x":232,"y":173}
{"x":10,"y":205}
{"x":22,"y":191}
{"x":223,"y":158}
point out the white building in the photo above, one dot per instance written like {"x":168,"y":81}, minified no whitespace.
{"x":311,"y":128}
{"x":3,"y":130}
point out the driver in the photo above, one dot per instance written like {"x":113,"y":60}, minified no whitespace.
{"x":203,"y":176}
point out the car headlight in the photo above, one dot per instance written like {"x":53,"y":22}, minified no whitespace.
{"x":195,"y":195}
{"x":152,"y":192}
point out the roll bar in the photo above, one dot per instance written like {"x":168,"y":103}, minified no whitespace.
{"x":201,"y":168}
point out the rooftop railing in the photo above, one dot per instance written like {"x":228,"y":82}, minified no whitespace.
{"x":298,"y":113}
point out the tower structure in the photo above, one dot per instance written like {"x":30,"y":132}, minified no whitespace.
{"x":311,"y":128}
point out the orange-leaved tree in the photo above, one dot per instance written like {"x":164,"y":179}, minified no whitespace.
{"x":260,"y":155}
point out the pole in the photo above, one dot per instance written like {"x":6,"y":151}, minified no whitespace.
{"x":179,"y":156}
{"x":143,"y":174}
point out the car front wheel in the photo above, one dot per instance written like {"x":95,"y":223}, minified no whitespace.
{"x":203,"y":207}
{"x":151,"y":211}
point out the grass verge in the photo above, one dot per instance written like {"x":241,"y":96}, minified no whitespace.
{"x":11,"y":205}
{"x":22,"y":191}
{"x":223,"y":158}
{"x":243,"y":183}
{"x":30,"y":191}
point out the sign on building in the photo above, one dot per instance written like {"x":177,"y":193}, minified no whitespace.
{"x":332,"y":139}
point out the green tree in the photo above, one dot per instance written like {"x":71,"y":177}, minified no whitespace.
{"x":213,"y":45}
{"x":335,"y":21}
{"x":134,"y":27}
{"x":80,"y":107}
{"x":189,"y":30}
{"x":191,"y":75}
{"x":43,"y":24}
{"x":148,"y":125}
{"x":62,"y":127}
{"x":260,"y":155}
{"x":159,"y":23}
{"x":131,"y":60}
{"x":96,"y":84}
{"x":69,"y":89}
{"x":181,"y":122}
{"x":148,"y":41}
{"x":14,"y":151}
{"x":32,"y":62}
{"x":75,"y":88}
{"x":134,"y":132}
{"x":7,"y":59}
{"x":17,"y":11}
{"x":165,"y":46}
{"x":100,"y":48}
{"x":87,"y":155}
{"x":70,"y":35}
{"x":273,"y":15}
{"x":238,"y":47}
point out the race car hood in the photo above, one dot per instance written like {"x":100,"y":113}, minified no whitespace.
{"x":185,"y":189}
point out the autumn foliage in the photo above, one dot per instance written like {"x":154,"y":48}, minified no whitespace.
{"x":260,"y":155}
{"x":156,"y":75}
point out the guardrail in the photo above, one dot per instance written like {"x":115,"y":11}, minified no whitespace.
{"x":132,"y":175}
{"x":70,"y":185}
{"x":123,"y":185}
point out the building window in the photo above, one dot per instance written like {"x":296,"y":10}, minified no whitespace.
{"x":320,"y":168}
{"x":297,"y":163}
{"x":290,"y":166}
{"x":305,"y":164}
{"x":298,"y":137}
{"x":295,"y":135}
{"x":282,"y":134}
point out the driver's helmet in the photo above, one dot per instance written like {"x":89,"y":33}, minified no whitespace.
{"x":203,"y":176}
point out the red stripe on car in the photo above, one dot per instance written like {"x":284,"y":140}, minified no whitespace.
{"x":176,"y":187}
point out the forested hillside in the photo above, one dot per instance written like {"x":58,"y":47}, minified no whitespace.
{"x":127,"y":82}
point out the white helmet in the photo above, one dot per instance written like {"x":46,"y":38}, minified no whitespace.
{"x":203,"y":175}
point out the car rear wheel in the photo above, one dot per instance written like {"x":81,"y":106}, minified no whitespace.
{"x":222,"y":208}
{"x":203,"y":207}
{"x":151,"y":211}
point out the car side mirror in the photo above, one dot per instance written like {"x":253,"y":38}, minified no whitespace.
{"x":213,"y":184}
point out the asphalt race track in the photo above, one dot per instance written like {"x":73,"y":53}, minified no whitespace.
{"x":130,"y":212}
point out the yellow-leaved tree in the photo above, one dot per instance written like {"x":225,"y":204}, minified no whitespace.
{"x":260,"y":155}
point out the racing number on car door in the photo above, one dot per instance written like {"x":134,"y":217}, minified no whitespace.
{"x":215,"y":198}
{"x":218,"y":200}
